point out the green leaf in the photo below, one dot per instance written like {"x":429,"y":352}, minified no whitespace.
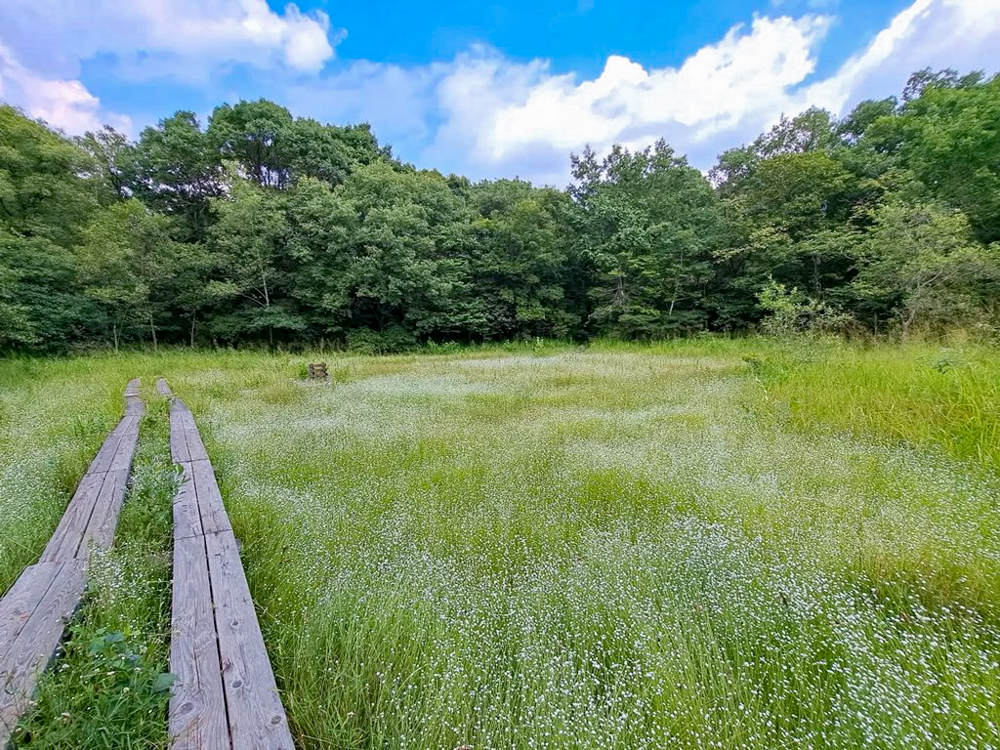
{"x":163,"y":682}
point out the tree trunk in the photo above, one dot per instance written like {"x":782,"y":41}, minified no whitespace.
{"x":193,"y":318}
{"x":907,"y":322}
{"x":673,"y":300}
{"x":152,"y":330}
{"x":114,"y":334}
{"x":267,"y":304}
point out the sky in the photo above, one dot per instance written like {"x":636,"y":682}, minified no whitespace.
{"x":486,"y":89}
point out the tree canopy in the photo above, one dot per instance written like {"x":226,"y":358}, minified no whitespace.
{"x":262,"y":227}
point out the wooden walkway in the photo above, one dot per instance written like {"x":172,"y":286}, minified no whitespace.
{"x":225,"y":696}
{"x":34,"y":612}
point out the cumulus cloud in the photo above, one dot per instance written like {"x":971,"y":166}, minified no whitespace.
{"x":46,"y":42}
{"x":66,"y":104}
{"x":522,"y":118}
{"x":165,"y":37}
{"x":481,"y":113}
{"x":961,"y":34}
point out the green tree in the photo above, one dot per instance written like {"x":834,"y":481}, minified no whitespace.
{"x":179,"y":172}
{"x":121,"y":263}
{"x":647,"y":222}
{"x":949,"y":137}
{"x":520,"y":243}
{"x":250,"y":239}
{"x":922,"y":266}
{"x":45,"y":200}
{"x":329,"y":153}
{"x":321,"y":227}
{"x":258,"y":136}
{"x":114,"y":160}
{"x":406,"y":239}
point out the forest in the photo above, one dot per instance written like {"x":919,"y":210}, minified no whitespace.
{"x":264,"y":228}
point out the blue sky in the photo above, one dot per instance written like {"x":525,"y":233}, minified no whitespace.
{"x":505,"y":89}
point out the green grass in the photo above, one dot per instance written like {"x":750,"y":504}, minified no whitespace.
{"x":711,"y":543}
{"x":54,"y":415}
{"x":109,"y":688}
{"x":927,"y":396}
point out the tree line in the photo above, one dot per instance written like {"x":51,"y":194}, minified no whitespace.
{"x":266,"y":228}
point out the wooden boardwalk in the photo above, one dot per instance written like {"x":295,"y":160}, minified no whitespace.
{"x":225,"y":696}
{"x":34,"y":612}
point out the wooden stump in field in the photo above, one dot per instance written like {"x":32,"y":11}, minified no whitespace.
{"x":318,"y":371}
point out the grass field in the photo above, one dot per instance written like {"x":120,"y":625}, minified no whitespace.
{"x":706,"y":544}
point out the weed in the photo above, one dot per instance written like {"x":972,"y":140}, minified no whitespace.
{"x":541,"y":546}
{"x":109,"y":688}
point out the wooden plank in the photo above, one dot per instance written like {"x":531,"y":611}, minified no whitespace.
{"x":178,"y":443}
{"x":122,"y":460}
{"x":256,"y":717}
{"x":163,"y":388}
{"x":213,"y":513}
{"x":65,"y":542}
{"x":192,"y":438}
{"x":104,"y":521}
{"x":21,"y":600}
{"x":197,"y":710}
{"x":102,"y":461}
{"x":29,"y":654}
{"x":187,"y":517}
{"x":251,"y":711}
{"x":95,"y":488}
{"x":132,"y":388}
{"x":133,"y":403}
{"x":34,"y":612}
{"x":196,"y":448}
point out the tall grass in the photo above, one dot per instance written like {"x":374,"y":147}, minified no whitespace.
{"x":924,"y":395}
{"x":613,"y":548}
{"x":54,"y":415}
{"x":109,"y":688}
{"x":710,"y":543}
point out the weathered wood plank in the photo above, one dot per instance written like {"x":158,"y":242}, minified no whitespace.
{"x":187,"y":429}
{"x":33,"y":648}
{"x":65,"y":542}
{"x":187,"y":517}
{"x":102,"y":461}
{"x":197,"y":711}
{"x":34,"y":611}
{"x":122,"y":460}
{"x":213,"y":513}
{"x":132,"y":388}
{"x":256,"y":717}
{"x":100,"y":492}
{"x":162,"y":388}
{"x":104,"y":521}
{"x":133,"y":403}
{"x":195,"y":447}
{"x":252,"y":711}
{"x":178,"y":443}
{"x":21,"y":600}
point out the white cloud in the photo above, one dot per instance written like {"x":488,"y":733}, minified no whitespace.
{"x":177,"y":38}
{"x":480,"y":113}
{"x":715,"y":88}
{"x":521,"y":118}
{"x":961,"y":34}
{"x":66,"y":104}
{"x":44,"y":44}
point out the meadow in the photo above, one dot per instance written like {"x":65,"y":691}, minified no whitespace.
{"x":701,"y":544}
